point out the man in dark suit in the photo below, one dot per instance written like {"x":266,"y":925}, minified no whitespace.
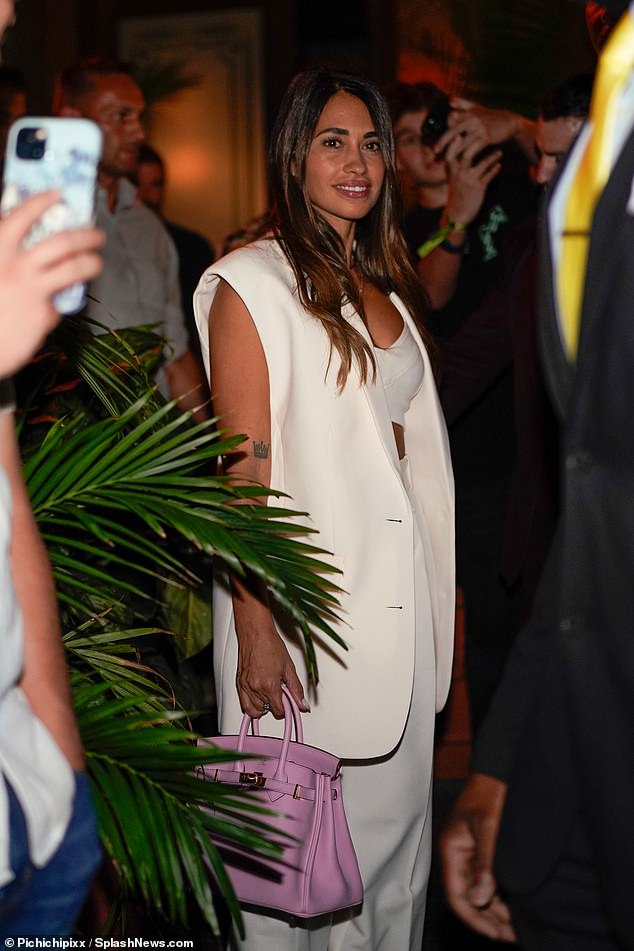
{"x":552,"y":793}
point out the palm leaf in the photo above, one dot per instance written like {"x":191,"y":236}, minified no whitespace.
{"x":115,"y":489}
{"x":156,"y":817}
{"x":116,"y":478}
{"x":113,"y":657}
{"x":82,"y":372}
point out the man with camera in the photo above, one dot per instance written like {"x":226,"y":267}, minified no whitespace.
{"x":469,"y":196}
{"x":465,"y":200}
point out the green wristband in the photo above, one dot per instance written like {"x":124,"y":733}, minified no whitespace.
{"x":455,"y":225}
{"x":439,"y":237}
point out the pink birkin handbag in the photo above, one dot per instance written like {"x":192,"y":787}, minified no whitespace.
{"x":318,"y":871}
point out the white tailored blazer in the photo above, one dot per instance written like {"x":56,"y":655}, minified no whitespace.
{"x":334,"y":453}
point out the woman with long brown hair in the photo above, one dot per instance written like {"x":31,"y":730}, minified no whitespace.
{"x":315,"y":341}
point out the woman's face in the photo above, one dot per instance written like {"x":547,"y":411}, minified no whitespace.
{"x":344,"y":165}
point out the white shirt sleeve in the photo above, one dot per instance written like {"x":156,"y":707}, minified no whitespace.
{"x":175,"y":326}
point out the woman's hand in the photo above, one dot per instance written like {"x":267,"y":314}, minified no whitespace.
{"x":29,"y":277}
{"x":263,"y":665}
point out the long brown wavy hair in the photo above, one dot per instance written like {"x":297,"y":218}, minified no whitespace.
{"x":314,"y":250}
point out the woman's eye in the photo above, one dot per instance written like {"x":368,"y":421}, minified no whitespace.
{"x":331,"y":143}
{"x":373,"y":146}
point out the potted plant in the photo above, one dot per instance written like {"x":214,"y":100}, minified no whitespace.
{"x":125,"y":490}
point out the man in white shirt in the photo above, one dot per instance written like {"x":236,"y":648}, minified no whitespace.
{"x":139,"y":283}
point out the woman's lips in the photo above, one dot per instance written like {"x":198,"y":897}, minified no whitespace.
{"x":354,"y":189}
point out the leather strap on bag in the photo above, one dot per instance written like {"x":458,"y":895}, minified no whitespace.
{"x":256,"y":780}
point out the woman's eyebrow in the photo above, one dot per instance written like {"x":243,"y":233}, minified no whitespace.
{"x":366,"y":135}
{"x":333,"y":129}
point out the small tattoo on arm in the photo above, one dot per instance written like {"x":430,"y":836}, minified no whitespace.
{"x":261,"y":449}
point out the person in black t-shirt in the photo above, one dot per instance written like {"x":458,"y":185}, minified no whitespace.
{"x":507,"y":201}
{"x":468,"y":194}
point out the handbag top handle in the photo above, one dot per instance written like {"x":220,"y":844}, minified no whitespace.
{"x":292,"y":717}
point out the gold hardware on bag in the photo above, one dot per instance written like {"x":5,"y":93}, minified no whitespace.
{"x":298,"y":792}
{"x":253,"y":779}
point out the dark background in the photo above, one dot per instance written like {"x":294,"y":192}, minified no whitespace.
{"x":509,"y":51}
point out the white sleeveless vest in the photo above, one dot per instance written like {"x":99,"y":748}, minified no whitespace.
{"x":334,"y":454}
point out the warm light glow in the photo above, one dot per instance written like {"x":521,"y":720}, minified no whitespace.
{"x":429,"y":49}
{"x":415,"y":67}
{"x":210,"y":135}
{"x":189,"y":165}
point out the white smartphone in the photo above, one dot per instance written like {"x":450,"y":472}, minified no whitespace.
{"x":61,"y":153}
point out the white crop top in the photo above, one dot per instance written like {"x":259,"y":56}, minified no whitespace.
{"x":401,"y":367}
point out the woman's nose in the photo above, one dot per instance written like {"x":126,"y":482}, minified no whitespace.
{"x":354,"y":160}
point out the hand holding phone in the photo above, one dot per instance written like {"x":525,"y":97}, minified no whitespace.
{"x":61,"y":154}
{"x":30,"y":277}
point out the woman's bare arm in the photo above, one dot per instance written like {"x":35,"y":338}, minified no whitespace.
{"x":240,"y":393}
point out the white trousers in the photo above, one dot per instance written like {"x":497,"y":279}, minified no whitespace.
{"x":388,"y":805}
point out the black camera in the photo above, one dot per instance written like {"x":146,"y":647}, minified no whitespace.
{"x":31,"y":144}
{"x":435,"y":123}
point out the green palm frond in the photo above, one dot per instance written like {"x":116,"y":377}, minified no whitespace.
{"x":86,"y":368}
{"x":123,"y":488}
{"x":112,"y":657}
{"x":156,"y":815}
{"x":115,"y":365}
{"x":107,"y":495}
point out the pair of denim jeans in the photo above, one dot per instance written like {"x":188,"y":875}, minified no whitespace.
{"x":45,"y":902}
